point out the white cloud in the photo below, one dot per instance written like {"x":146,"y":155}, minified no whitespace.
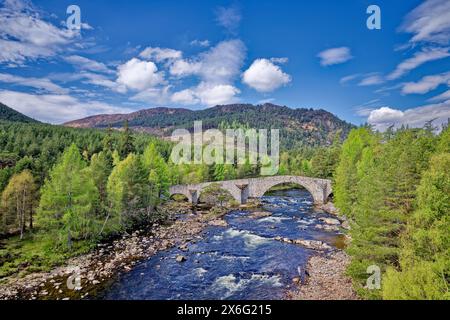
{"x":37,"y":83}
{"x":89,"y":78}
{"x":371,"y":79}
{"x":88,"y":64}
{"x":207,"y":94}
{"x":219,"y":64}
{"x":184,"y":68}
{"x":185,"y":97}
{"x":25,"y":35}
{"x":158,"y":95}
{"x":384,"y":117}
{"x":139,"y":75}
{"x":264,"y":76}
{"x":418,"y":59}
{"x":211,"y":94}
{"x":346,"y":79}
{"x":426,"y":84}
{"x":334,"y":56}
{"x":229,"y":18}
{"x":160,"y":54}
{"x":443,"y":96}
{"x":55,"y":108}
{"x":429,"y":22}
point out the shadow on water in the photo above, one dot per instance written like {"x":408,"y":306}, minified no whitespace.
{"x":240,"y":261}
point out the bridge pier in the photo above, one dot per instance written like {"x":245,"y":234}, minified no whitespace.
{"x":244,"y":193}
{"x":193,"y":196}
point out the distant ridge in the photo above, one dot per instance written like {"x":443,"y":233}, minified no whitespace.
{"x":297,"y":126}
{"x":9,"y":114}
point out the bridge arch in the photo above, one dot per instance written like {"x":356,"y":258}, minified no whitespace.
{"x":288,"y":185}
{"x":179,"y":195}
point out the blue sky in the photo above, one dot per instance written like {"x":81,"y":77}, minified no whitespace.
{"x":131,"y":55}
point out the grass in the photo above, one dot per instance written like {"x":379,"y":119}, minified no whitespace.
{"x":34,"y":253}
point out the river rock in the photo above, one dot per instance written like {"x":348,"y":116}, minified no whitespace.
{"x":331,"y":221}
{"x":327,"y":227}
{"x":313,"y":244}
{"x":260,"y":214}
{"x":180,"y":258}
{"x":218,"y":223}
{"x":346,"y":225}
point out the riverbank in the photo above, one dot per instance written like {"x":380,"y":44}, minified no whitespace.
{"x":325,"y":273}
{"x":326,"y":279}
{"x":87,"y":274}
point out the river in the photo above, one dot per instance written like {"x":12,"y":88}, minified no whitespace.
{"x":240,"y":261}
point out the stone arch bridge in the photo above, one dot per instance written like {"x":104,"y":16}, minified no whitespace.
{"x":243,"y":189}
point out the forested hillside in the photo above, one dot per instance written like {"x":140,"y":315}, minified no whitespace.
{"x":7,"y":113}
{"x":395,"y":189}
{"x":298,"y":127}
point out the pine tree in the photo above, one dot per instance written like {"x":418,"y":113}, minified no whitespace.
{"x":108,"y":141}
{"x":126,"y":142}
{"x":425,"y":255}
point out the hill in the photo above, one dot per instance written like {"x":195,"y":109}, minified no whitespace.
{"x":9,"y":114}
{"x":298,"y":127}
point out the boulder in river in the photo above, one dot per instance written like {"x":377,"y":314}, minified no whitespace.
{"x":313,"y":244}
{"x":331,"y":221}
{"x":180,"y":258}
{"x":260,"y":214}
{"x":327,"y":227}
{"x":218,"y":223}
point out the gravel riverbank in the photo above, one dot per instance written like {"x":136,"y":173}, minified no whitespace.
{"x":83,"y":276}
{"x":326,"y":279}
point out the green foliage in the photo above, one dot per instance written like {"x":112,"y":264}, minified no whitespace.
{"x":18,"y":203}
{"x":377,"y":187}
{"x":214,"y":194}
{"x":425,"y":252}
{"x":99,"y":170}
{"x":68,"y":200}
{"x":126,"y":142}
{"x":158,"y":170}
{"x":346,"y":177}
{"x":129,"y":193}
